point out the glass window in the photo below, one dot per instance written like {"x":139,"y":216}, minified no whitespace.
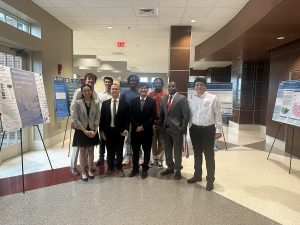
{"x":153,"y":78}
{"x":9,"y":60}
{"x":143,"y":79}
{"x":2,"y":59}
{"x":22,"y":26}
{"x":11,"y":21}
{"x":14,"y":21}
{"x":18,"y":62}
{"x":2,"y":16}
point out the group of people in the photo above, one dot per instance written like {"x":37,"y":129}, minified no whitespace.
{"x":145,"y":121}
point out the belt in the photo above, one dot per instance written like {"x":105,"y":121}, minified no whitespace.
{"x":199,"y":126}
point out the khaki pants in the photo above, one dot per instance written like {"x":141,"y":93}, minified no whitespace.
{"x":157,"y":144}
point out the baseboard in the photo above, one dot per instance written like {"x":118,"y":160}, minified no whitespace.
{"x":279,"y":144}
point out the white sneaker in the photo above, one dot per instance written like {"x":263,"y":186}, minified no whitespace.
{"x":141,"y":160}
{"x":126,"y":159}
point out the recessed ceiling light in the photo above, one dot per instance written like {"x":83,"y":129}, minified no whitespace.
{"x":280,"y":38}
{"x":109,"y":27}
{"x":193,"y":21}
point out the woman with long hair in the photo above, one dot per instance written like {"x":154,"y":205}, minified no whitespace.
{"x":85,"y":114}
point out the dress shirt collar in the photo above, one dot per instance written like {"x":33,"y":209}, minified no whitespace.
{"x":172,"y":95}
{"x":117,"y":100}
{"x":203,"y":95}
{"x":143,"y":98}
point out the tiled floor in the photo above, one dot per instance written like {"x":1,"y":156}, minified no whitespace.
{"x":249,"y":189}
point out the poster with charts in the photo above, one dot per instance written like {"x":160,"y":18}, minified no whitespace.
{"x":10,"y":116}
{"x":287,"y":105}
{"x":222,"y":90}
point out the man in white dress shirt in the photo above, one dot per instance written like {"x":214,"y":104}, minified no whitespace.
{"x":205,"y":127}
{"x":103,"y":96}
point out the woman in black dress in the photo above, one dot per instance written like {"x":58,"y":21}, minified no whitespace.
{"x":86,"y":117}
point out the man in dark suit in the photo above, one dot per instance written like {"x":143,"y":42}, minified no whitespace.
{"x":114,"y":125}
{"x":175,"y":115}
{"x":142,"y":115}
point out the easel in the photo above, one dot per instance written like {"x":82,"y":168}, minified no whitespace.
{"x":21,"y":138}
{"x":224,"y":139}
{"x":69,"y":137}
{"x":285,"y":142}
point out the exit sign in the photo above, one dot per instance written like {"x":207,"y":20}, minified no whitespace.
{"x":121,"y":44}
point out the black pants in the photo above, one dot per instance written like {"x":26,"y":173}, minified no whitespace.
{"x":138,"y":140}
{"x":101,"y":148}
{"x":203,"y":140}
{"x":114,"y":144}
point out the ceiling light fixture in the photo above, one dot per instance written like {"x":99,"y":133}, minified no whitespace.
{"x":193,"y":21}
{"x":280,"y":38}
{"x":109,"y":27}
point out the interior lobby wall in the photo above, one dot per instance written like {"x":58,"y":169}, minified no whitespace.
{"x":54,"y":47}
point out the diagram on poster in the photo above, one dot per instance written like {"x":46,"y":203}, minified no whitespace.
{"x":287,"y":105}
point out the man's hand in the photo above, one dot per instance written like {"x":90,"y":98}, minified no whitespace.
{"x":124,"y":133}
{"x":103,"y":136}
{"x":218,"y":135}
{"x":72,"y":126}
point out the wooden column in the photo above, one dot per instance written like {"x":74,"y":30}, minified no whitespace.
{"x":180,"y":47}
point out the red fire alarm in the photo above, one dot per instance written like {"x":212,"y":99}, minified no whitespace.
{"x":121,"y":44}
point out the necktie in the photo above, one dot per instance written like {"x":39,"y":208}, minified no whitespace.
{"x":169,"y":103}
{"x":142,"y":103}
{"x":114,"y":112}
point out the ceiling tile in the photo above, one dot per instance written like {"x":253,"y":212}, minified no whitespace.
{"x":64,"y":3}
{"x":74,"y":12}
{"x":105,"y":20}
{"x":201,"y":12}
{"x":84,"y":20}
{"x":147,"y":20}
{"x":172,"y":3}
{"x":92,"y":3}
{"x":43,"y":3}
{"x":171,"y":12}
{"x":222,"y":13}
{"x":118,"y":3}
{"x":122,"y":12}
{"x":201,"y":3}
{"x":97,"y":11}
{"x":126,"y":20}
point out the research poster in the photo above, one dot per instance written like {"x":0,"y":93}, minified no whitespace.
{"x":60,"y":96}
{"x":64,"y":89}
{"x":287,"y":105}
{"x":222,"y":90}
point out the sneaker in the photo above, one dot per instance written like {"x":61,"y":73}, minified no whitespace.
{"x":152,"y":163}
{"x":141,"y":160}
{"x":75,"y":172}
{"x":126,"y":159}
{"x":159,"y":164}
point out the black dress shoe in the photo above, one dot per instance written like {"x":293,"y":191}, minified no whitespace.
{"x":133,"y":173}
{"x":167,"y":171}
{"x":209,"y":186}
{"x":194,"y":180}
{"x":144,"y":174}
{"x":91,"y":176}
{"x":177,"y":175}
